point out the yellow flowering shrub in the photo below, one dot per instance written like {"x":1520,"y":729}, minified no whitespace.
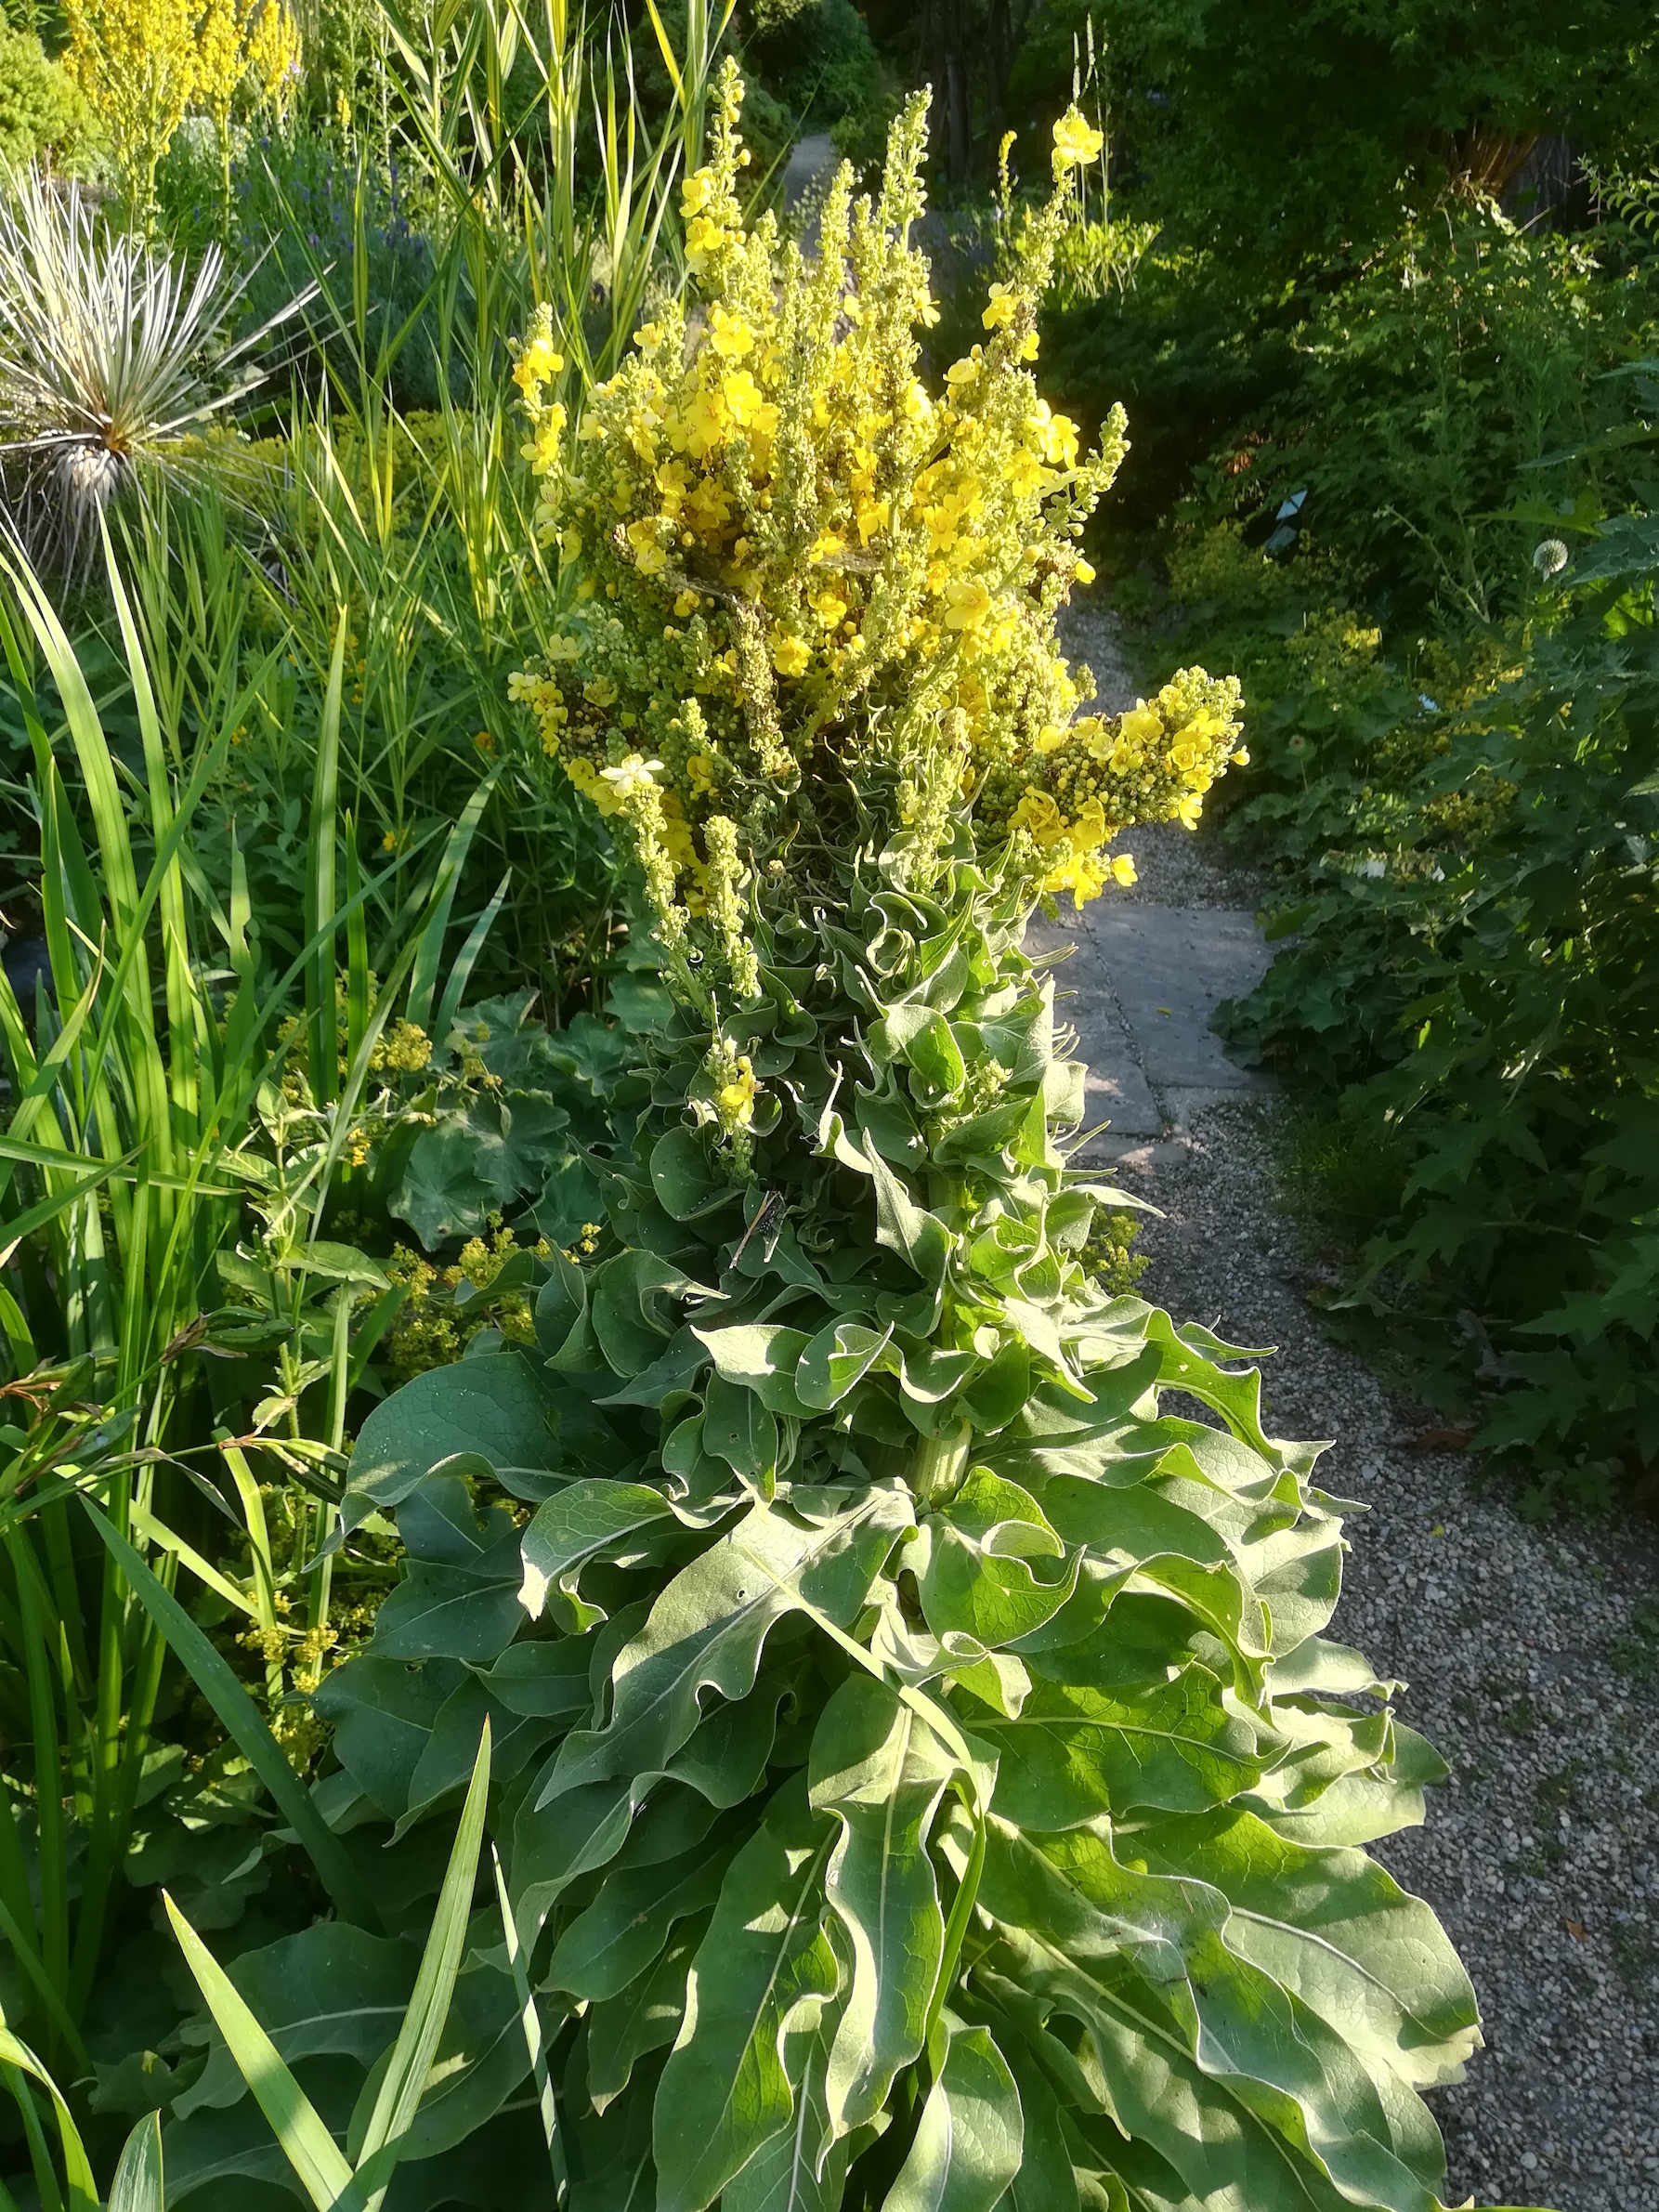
{"x":144,"y":64}
{"x":805,"y":600}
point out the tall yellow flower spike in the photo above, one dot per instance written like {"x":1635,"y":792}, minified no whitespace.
{"x":821,"y":598}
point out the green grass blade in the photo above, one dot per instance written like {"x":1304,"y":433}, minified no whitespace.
{"x":461,"y":974}
{"x":241,"y":1717}
{"x":310,"y":2149}
{"x":532,"y":2018}
{"x":321,"y":840}
{"x":78,"y":2169}
{"x":36,"y":1217}
{"x":137,"y":2185}
{"x":405,"y":2080}
{"x":424,"y":982}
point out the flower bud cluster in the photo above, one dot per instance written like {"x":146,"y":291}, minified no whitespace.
{"x":1084,"y":781}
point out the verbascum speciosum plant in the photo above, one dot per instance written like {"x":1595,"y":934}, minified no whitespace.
{"x":922,"y":1775}
{"x":808,"y":595}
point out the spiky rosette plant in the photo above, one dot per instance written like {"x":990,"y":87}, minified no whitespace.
{"x":921,"y":1776}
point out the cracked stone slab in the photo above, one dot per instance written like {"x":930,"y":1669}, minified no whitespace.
{"x":1117,"y":1092}
{"x":1170,"y":967}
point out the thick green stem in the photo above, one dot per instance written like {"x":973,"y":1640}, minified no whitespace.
{"x":936,"y":1471}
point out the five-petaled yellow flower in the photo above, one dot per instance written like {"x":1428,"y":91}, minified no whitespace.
{"x":1076,"y":142}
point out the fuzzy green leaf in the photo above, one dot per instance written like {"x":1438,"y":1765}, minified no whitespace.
{"x":881,"y":1772}
{"x":725,"y":2090}
{"x":968,"y":2141}
{"x":708,"y":1628}
{"x":592,"y":1517}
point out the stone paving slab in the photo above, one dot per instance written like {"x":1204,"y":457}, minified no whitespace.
{"x":1169,"y":968}
{"x":1139,"y":982}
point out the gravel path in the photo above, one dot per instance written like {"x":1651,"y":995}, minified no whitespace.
{"x":1523,"y":1645}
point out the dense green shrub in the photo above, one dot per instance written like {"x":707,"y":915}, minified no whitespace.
{"x":1283,"y":135}
{"x":44,"y":116}
{"x":1478,"y":943}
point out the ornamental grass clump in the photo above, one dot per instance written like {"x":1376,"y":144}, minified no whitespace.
{"x":921,"y":1777}
{"x":102,"y":345}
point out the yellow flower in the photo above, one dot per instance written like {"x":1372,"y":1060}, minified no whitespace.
{"x":1123,"y":870}
{"x":1188,"y":808}
{"x":729,"y":335}
{"x":1038,"y":813}
{"x":791,"y":656}
{"x":1051,"y":737}
{"x":747,"y":405}
{"x":1004,"y":305}
{"x":704,"y":237}
{"x":1083,"y":571}
{"x":648,"y":336}
{"x":644,"y":539}
{"x":538,"y":364}
{"x":695,"y":192}
{"x":1076,"y":142}
{"x":1142,"y":725}
{"x":970,"y":603}
{"x":736,"y":1099}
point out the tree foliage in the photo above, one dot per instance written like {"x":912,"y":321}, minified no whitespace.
{"x":1286,"y":133}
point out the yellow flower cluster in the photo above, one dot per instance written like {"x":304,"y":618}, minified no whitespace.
{"x":1079,"y":786}
{"x":143,"y":64}
{"x":800,"y":593}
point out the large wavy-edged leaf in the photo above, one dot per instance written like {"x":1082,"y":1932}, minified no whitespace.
{"x":1334,"y":1926}
{"x":725,"y":2089}
{"x":500,"y":1407}
{"x":1047,"y":2180}
{"x":329,"y":1990}
{"x":383,"y":1715}
{"x":616,"y":1938}
{"x":800,"y":2169}
{"x":977,"y":1580}
{"x":1368,"y":1803}
{"x":836,"y":1360}
{"x":879,"y":1768}
{"x":588,"y":1518}
{"x":466,"y":1611}
{"x":738,"y":1428}
{"x":761,"y":1358}
{"x":1093,"y":1737}
{"x":447,"y":1759}
{"x":967,"y":2144}
{"x":708,"y":1628}
{"x":1187,"y":2032}
{"x":647,"y":2015}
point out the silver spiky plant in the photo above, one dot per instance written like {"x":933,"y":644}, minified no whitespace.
{"x":105,"y":347}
